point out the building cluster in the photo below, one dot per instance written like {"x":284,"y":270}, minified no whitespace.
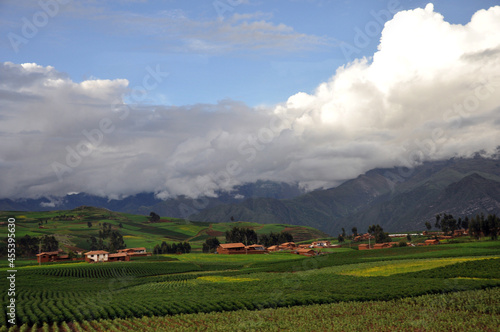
{"x":93,"y":256}
{"x":363,"y":237}
{"x":302,"y":249}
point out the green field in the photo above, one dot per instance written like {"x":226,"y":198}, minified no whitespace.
{"x":434,"y":288}
{"x":71,"y":228}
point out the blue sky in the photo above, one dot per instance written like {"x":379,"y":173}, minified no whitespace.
{"x":119,"y":97}
{"x":119,"y":39}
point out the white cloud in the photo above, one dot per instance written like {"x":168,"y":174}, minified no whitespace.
{"x":429,"y":92}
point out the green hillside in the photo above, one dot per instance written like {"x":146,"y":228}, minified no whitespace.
{"x":71,"y":228}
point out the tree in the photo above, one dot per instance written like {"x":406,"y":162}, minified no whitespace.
{"x":408,"y":237}
{"x":437,"y":224}
{"x":343,"y":232}
{"x":354,"y":231}
{"x":165,"y":248}
{"x":475,"y":227}
{"x":89,"y":224}
{"x":243,"y":235}
{"x":494,"y":222}
{"x":116,"y":241}
{"x":465,"y":223}
{"x":211,"y":243}
{"x":28,"y":246}
{"x":380,"y":235}
{"x":93,"y":243}
{"x":120,"y":225}
{"x":49,"y":243}
{"x":428,"y":225}
{"x":340,"y":238}
{"x":153,"y":217}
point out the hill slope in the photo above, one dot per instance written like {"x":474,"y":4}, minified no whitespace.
{"x":397,"y":199}
{"x":71,"y":228}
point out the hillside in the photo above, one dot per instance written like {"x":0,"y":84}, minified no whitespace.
{"x":71,"y":228}
{"x":398,"y":200}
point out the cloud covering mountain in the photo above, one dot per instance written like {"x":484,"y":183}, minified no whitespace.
{"x":430,"y":92}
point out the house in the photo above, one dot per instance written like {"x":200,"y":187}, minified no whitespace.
{"x":48,"y":256}
{"x":121,"y":256}
{"x":364,"y":247}
{"x":382,"y":245}
{"x":273,"y":248}
{"x":304,"y":252}
{"x":288,"y":246}
{"x":363,"y":237}
{"x":431,"y":242}
{"x":138,"y":252}
{"x":256,"y":249}
{"x":231,"y":248}
{"x":460,"y":232}
{"x":96,"y":256}
{"x":321,"y":244}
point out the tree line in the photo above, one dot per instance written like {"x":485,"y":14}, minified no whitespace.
{"x":29,"y":246}
{"x":174,"y":248}
{"x":479,"y":225}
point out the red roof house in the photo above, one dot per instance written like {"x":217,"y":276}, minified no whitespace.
{"x":96,"y":256}
{"x":231,"y":248}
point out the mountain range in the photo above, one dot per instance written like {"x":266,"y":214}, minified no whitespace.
{"x":398,"y":199}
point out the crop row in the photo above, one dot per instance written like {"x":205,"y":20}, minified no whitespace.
{"x":153,"y":297}
{"x":464,"y":311}
{"x":117,"y":270}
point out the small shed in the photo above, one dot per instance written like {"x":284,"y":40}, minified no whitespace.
{"x":431,"y":242}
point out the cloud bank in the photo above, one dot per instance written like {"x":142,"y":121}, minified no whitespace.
{"x":431,"y":91}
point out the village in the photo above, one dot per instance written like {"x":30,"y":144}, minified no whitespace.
{"x":312,"y":249}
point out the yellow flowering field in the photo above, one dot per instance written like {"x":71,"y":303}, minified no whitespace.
{"x":381,"y":269}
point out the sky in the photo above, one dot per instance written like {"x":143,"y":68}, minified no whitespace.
{"x":118,"y":97}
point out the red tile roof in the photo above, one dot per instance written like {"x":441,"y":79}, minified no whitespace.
{"x":121,"y":254}
{"x":50,"y":253}
{"x":232,"y":245}
{"x":96,"y":252}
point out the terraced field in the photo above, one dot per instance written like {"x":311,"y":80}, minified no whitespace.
{"x":71,"y":228}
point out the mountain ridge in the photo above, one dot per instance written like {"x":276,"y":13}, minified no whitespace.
{"x":383,"y":196}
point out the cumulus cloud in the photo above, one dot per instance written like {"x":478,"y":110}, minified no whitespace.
{"x":429,"y":92}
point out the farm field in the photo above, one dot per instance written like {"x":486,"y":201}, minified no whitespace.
{"x":435,"y":288}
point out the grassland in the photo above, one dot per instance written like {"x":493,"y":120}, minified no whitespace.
{"x":435,"y":288}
